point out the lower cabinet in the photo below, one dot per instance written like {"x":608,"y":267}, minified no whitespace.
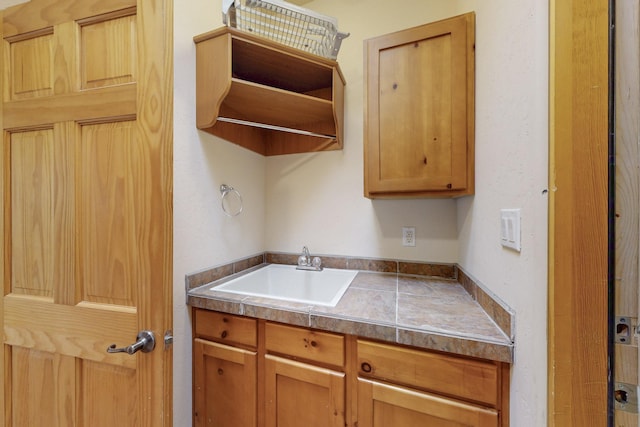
{"x":400,"y":386}
{"x":300,"y":394}
{"x":382,"y":404}
{"x":225,"y":385}
{"x":257,"y":373}
{"x":304,"y":377}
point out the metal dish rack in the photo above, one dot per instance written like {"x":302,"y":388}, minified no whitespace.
{"x":285,"y":23}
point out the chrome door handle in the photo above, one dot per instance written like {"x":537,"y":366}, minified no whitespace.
{"x":145,"y":341}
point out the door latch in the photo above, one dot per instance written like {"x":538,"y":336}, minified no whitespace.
{"x":626,"y":397}
{"x":623,"y":330}
{"x":168,"y":339}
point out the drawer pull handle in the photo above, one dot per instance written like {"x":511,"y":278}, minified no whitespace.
{"x":224,"y":334}
{"x":365,"y":367}
{"x":308,"y":343}
{"x":220,"y":371}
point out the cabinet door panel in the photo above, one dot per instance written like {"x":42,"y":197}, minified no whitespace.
{"x":224,"y":385}
{"x":298,"y":394}
{"x":419,"y":123}
{"x":382,"y":405}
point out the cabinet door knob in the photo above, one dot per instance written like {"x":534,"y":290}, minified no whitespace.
{"x":365,"y":367}
{"x":224,"y":334}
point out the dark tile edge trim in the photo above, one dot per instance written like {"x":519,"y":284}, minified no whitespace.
{"x":454,"y":345}
{"x":429,"y":269}
{"x":211,"y":274}
{"x":501,"y":314}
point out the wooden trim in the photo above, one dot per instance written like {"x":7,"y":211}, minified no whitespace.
{"x":627,"y":187}
{"x":155,"y":124}
{"x":260,"y":381}
{"x":578,"y":180}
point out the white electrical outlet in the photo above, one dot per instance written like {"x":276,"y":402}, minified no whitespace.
{"x":510,"y":228}
{"x":408,"y":236}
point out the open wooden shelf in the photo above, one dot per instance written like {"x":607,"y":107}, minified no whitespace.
{"x":266,"y":96}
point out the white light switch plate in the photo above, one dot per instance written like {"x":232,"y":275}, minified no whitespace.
{"x":510,"y":228}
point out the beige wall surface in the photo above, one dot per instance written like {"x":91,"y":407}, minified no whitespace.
{"x":511,"y":172}
{"x":317,"y":199}
{"x":203,"y":235}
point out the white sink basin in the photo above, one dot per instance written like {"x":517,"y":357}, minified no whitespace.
{"x":284,"y":282}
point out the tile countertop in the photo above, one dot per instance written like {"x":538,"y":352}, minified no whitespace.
{"x":424,"y":312}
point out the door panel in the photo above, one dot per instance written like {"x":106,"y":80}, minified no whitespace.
{"x":98,"y":380}
{"x":108,"y":49}
{"x":86,"y":186}
{"x":32,"y":65}
{"x":109,"y":166}
{"x":32,"y":241}
{"x":36,"y":373}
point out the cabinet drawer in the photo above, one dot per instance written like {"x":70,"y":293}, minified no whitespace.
{"x":315,"y":346}
{"x":225,"y":328}
{"x":388,"y":405}
{"x":469,"y":379}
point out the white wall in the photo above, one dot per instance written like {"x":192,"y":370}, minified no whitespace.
{"x":8,"y":3}
{"x":203,"y":235}
{"x":317,"y":199}
{"x":511,"y":172}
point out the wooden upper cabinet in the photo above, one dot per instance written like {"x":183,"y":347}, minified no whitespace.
{"x":265,"y":96}
{"x":419,"y":111}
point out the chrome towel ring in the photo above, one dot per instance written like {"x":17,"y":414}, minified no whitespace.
{"x":230,"y":208}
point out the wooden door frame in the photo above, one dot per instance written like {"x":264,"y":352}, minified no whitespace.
{"x":578,"y":213}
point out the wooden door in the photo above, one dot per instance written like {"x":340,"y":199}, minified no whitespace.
{"x":86,"y":219}
{"x":383,"y":405}
{"x":298,"y":394}
{"x":579,"y":365}
{"x":225,"y":385}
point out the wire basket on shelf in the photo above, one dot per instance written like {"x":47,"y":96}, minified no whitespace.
{"x":285,"y":23}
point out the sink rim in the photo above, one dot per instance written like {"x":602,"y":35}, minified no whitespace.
{"x":291,"y":292}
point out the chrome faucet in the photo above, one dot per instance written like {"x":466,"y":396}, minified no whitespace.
{"x":306,"y":263}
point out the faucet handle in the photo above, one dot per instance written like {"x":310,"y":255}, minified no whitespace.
{"x":317,"y":262}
